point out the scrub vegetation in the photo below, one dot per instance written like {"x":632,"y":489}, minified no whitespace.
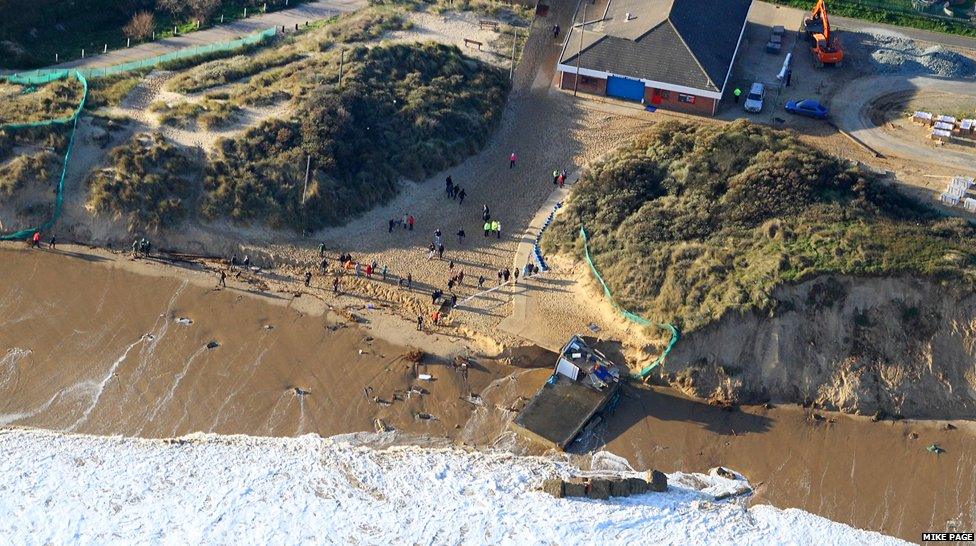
{"x":692,"y":221}
{"x":403,"y":111}
{"x":150,"y":183}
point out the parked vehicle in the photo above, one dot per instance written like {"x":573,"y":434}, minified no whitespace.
{"x":755,"y":98}
{"x":807,"y":107}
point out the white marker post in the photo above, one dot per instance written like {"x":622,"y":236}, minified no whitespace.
{"x":82,"y":53}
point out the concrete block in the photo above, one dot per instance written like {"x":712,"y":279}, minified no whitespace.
{"x":620,"y":487}
{"x":574,"y":489}
{"x":554,"y":486}
{"x":599,"y":489}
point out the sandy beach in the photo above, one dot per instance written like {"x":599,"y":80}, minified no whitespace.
{"x":95,"y":342}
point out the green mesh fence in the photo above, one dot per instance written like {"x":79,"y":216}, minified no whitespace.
{"x":42,"y":76}
{"x":637,"y":319}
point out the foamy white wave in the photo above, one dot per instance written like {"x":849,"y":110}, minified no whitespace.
{"x":70,"y":489}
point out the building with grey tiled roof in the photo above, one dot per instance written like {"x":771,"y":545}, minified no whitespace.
{"x":674,"y":54}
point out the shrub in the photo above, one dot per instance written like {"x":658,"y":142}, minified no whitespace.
{"x":150,"y":184}
{"x":403,"y":111}
{"x":692,"y":221}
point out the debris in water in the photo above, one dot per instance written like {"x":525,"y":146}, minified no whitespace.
{"x":950,"y":426}
{"x":913,"y":436}
{"x":381,"y":402}
{"x":184,"y":321}
{"x":268,"y":327}
{"x":301,"y":392}
{"x":419,"y":391}
{"x":593,"y":327}
{"x":425,"y":377}
{"x":380,"y":426}
{"x":934,"y":448}
{"x":212,"y":344}
{"x":422,"y":416}
{"x":725,"y":473}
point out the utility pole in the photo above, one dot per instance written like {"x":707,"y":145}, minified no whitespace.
{"x":308,"y":165}
{"x":579,"y":52}
{"x":511,"y":74}
{"x":342,"y":58}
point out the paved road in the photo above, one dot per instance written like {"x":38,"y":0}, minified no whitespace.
{"x":319,"y":9}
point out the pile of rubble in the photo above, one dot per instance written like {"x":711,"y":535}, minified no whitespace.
{"x":894,"y":54}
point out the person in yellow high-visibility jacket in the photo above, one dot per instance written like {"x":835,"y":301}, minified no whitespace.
{"x":496,"y":226}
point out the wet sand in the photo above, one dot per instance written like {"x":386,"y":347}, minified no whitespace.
{"x":94,"y":345}
{"x":88,"y":346}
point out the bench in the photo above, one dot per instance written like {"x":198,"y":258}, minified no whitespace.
{"x":469,"y":42}
{"x":485,"y":24}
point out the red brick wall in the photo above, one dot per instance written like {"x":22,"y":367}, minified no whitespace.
{"x":703,"y":106}
{"x":594,"y":86}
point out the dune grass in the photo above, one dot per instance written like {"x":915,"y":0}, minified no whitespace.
{"x":693,"y":221}
{"x":404,"y":111}
{"x":150,"y":183}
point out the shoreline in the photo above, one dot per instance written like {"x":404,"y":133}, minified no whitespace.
{"x":99,"y":308}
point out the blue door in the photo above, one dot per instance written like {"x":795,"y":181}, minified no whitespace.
{"x":625,"y":88}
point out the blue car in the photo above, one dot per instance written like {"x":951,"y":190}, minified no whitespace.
{"x":807,"y":107}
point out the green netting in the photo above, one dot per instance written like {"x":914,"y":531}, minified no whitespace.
{"x":637,"y":319}
{"x":42,"y":76}
{"x":73,"y":120}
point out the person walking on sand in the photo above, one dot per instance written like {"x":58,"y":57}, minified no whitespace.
{"x":487,"y":227}
{"x":499,"y":277}
{"x":515,"y":273}
{"x":410,"y":222}
{"x":435,"y":316}
{"x":324,"y":265}
{"x":481,"y":281}
{"x":335,"y":285}
{"x":420,"y":323}
{"x":460,"y":277}
{"x":506,"y":275}
{"x":321,"y":249}
{"x":135,"y":247}
{"x":440,"y":252}
{"x":453,"y":300}
{"x":359,"y":269}
{"x":461,"y":196}
{"x":511,"y":160}
{"x":54,"y":242}
{"x":308,"y":278}
{"x":409,"y":281}
{"x":369,"y":271}
{"x":430,"y":251}
{"x":496,"y":226}
{"x":384,"y":272}
{"x":247,"y":261}
{"x":223,"y":279}
{"x":555,"y":177}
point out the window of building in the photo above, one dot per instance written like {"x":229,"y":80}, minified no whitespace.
{"x":664,"y":94}
{"x":690,"y":99}
{"x":587,"y":80}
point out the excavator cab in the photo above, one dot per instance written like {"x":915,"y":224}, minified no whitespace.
{"x":826,"y":48}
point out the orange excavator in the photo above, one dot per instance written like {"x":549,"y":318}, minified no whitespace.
{"x":826,"y":48}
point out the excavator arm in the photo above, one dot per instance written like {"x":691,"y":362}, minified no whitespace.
{"x":820,"y":12}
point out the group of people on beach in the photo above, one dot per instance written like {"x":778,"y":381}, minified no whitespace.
{"x":347,"y":265}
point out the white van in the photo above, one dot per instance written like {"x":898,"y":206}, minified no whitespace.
{"x":754,"y":100}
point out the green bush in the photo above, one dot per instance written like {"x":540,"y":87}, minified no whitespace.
{"x":22,"y":104}
{"x":403,"y":111}
{"x":692,"y":221}
{"x":150,"y":184}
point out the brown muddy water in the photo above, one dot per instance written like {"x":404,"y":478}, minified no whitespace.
{"x":94,"y":343}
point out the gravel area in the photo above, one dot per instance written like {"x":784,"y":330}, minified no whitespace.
{"x":896,"y":54}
